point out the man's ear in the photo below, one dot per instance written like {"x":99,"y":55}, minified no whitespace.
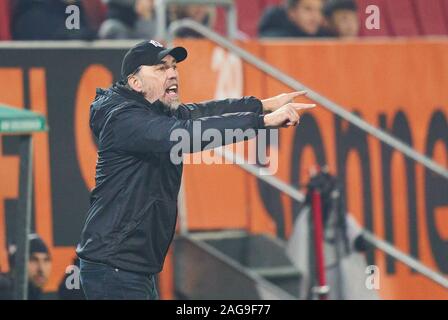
{"x":135,"y":83}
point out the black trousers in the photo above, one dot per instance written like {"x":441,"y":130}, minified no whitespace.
{"x":103,"y":282}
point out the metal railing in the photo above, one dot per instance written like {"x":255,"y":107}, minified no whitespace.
{"x":405,"y":259}
{"x":295,"y":194}
{"x":311,"y":94}
{"x":229,"y":5}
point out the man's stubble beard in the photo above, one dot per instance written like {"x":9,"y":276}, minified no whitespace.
{"x":171,"y":106}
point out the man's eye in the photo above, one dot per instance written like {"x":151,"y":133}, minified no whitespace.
{"x":166,"y":67}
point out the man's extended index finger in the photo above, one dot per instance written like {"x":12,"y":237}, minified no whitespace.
{"x":297,"y":93}
{"x":301,"y":106}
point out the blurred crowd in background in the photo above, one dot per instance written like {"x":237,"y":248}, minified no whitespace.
{"x":131,"y":19}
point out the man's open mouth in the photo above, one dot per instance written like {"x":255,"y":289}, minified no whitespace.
{"x":172,"y":90}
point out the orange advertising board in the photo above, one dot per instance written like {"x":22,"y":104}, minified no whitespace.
{"x":399,"y":86}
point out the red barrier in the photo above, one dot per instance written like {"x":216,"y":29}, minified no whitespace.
{"x":321,"y":289}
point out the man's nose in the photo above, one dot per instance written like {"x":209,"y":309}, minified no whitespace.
{"x":172,"y":74}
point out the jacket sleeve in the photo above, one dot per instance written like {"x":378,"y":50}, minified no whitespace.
{"x":140,"y":130}
{"x":219,"y":107}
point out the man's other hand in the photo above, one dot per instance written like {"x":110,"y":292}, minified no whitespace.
{"x":286,"y":116}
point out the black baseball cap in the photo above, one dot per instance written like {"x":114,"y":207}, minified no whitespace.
{"x":148,"y":53}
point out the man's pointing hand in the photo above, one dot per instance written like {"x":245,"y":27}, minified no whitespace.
{"x":286,"y":116}
{"x":275,"y":103}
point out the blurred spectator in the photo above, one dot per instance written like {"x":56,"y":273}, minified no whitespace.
{"x":297,"y":18}
{"x":39,"y":267}
{"x":129,"y":19}
{"x":202,"y":14}
{"x":46,"y":20}
{"x":342,"y":17}
{"x":65,"y":293}
{"x":39,"y":270}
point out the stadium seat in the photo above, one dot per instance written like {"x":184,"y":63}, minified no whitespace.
{"x":430,"y":15}
{"x":249,"y":12}
{"x":220,"y":24}
{"x":5,"y":13}
{"x":402,"y":18}
{"x":445,"y":10}
{"x":96,"y":12}
{"x":384,"y":26}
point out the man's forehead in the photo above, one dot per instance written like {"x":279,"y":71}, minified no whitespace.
{"x":40,"y":255}
{"x":168,"y":59}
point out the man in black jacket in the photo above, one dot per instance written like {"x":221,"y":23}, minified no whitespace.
{"x":133,"y":207}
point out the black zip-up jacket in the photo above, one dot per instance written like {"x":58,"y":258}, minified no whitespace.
{"x":133,"y":207}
